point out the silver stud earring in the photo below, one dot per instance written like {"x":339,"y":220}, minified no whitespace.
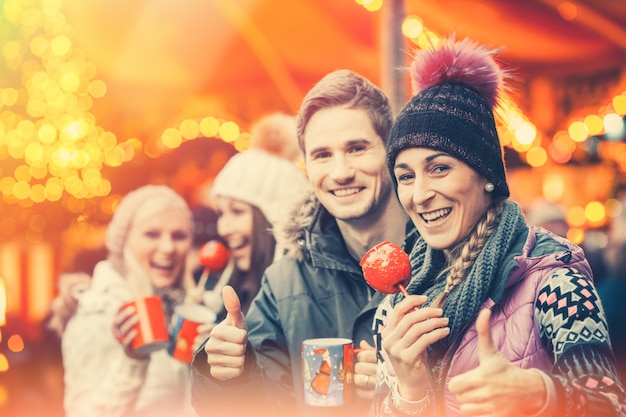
{"x":489,"y":187}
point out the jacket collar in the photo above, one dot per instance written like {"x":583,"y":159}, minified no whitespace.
{"x":540,"y":249}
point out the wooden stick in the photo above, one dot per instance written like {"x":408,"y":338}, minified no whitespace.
{"x":403,"y":290}
{"x":203,"y":278}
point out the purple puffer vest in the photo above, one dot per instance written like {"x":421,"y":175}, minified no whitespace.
{"x":513,"y":327}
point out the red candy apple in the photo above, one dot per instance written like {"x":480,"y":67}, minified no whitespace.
{"x":386,"y":268}
{"x":214,"y":256}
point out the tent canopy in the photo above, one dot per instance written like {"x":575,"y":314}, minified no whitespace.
{"x":165,"y":61}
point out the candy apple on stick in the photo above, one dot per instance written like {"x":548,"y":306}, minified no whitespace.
{"x":214,"y":257}
{"x":386,"y":268}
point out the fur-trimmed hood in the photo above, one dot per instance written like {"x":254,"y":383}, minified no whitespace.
{"x":290,"y":231}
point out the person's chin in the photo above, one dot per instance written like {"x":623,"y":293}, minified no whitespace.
{"x":242,"y":264}
{"x":346,"y":213}
{"x":349,"y":207}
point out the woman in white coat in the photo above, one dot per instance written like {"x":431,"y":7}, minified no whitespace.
{"x":148,"y":240}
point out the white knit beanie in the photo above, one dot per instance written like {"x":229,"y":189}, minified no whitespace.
{"x":117,"y":230}
{"x":261,"y":179}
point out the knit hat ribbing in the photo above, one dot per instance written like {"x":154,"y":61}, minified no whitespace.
{"x":117,"y":230}
{"x":456,"y":86}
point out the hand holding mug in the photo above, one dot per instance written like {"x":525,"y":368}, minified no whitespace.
{"x":124,"y":329}
{"x":365,"y":370}
{"x":140,"y":327}
{"x":226,"y":347}
{"x":204,"y":331}
{"x":194,"y":295}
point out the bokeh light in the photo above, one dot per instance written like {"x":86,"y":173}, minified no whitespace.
{"x":595,"y":212}
{"x":15,"y":343}
{"x":576,"y":216}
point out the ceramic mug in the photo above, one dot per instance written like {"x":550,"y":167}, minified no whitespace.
{"x":328,"y":371}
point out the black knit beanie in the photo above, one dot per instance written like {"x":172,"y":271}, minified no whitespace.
{"x":456,"y":86}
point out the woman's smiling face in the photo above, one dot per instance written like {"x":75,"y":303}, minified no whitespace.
{"x":444,"y":197}
{"x":235,"y":226}
{"x":160,"y":239}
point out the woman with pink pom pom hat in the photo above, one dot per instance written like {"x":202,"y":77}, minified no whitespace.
{"x":502,"y":318}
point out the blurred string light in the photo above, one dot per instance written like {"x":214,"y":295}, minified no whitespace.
{"x":46,"y":127}
{"x":174,"y":137}
{"x":370,"y":5}
{"x":207,"y":127}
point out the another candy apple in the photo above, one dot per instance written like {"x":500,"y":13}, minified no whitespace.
{"x":214,"y":256}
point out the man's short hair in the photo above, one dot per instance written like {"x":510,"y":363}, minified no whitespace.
{"x":344,"y":88}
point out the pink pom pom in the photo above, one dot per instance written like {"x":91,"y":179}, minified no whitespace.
{"x":464,"y":61}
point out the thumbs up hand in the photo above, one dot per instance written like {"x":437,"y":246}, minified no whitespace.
{"x":496,"y":386}
{"x":235,"y":316}
{"x":226,"y":347}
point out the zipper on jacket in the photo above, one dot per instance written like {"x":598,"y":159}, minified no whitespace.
{"x":442,"y":367}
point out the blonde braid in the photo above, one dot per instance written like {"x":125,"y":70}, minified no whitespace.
{"x":463,"y":256}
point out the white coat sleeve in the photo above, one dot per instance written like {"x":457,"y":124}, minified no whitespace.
{"x":100,"y":379}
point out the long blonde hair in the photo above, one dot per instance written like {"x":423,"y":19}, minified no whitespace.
{"x":462,"y":257}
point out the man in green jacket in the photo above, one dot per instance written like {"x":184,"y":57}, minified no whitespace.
{"x":253,"y":365}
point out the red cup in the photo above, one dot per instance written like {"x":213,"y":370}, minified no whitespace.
{"x":187,"y":318}
{"x":151,"y":329}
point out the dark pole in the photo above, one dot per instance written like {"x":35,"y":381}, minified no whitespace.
{"x":393,"y":54}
